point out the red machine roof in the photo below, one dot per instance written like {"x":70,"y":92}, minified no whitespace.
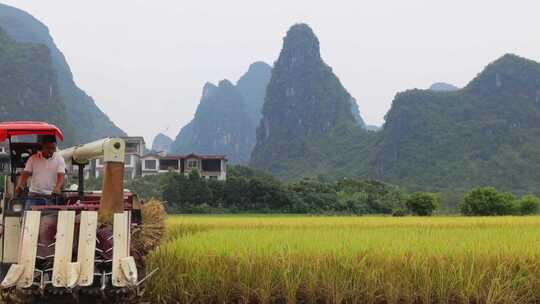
{"x":17,"y":128}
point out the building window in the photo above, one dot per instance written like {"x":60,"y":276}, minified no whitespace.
{"x":127,"y":160}
{"x":211,"y":165}
{"x":150,"y":164}
{"x":168,"y":164}
{"x":132,"y":147}
{"x":192,"y":163}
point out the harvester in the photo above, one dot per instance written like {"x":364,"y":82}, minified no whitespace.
{"x":75,"y":245}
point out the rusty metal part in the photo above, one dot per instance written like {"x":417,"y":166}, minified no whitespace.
{"x":112,"y":197}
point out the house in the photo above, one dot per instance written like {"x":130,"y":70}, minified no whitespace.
{"x":209,"y":166}
{"x":138,"y":164}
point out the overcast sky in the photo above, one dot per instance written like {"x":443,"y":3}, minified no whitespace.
{"x":145,"y":62}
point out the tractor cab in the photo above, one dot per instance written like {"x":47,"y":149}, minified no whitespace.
{"x":21,"y":141}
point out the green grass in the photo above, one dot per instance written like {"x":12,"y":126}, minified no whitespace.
{"x":284,"y":259}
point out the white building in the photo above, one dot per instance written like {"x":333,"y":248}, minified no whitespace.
{"x":209,"y":166}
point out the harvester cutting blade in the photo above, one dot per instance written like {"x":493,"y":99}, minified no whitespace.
{"x":65,"y":230}
{"x":12,"y":277}
{"x":121,"y":250}
{"x":129,"y":270}
{"x":22,"y":274}
{"x":87,"y":247}
{"x":74,"y":273}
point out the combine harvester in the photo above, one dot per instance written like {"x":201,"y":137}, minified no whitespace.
{"x":78,"y":245}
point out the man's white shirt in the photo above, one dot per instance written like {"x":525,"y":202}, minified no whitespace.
{"x":44,"y":172}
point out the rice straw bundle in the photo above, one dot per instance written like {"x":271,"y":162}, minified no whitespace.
{"x":148,"y":236}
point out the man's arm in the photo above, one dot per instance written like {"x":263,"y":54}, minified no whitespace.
{"x":60,"y":175}
{"x":22,"y":182}
{"x":59,"y":183}
{"x":26,"y":173}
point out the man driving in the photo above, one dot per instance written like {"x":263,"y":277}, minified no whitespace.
{"x":47,"y":169}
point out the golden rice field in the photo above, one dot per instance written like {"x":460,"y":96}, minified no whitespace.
{"x":301,"y":259}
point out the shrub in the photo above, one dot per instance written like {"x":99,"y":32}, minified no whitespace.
{"x":352,"y":202}
{"x":399,"y":212}
{"x":528,"y":204}
{"x":380,"y":198}
{"x":422,"y":203}
{"x":487,"y":201}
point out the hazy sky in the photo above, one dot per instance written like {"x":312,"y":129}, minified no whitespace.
{"x":145,"y":62}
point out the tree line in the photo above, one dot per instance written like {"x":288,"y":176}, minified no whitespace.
{"x":247,"y":190}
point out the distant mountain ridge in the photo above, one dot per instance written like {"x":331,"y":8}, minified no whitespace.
{"x":356,"y":113}
{"x":252,"y":86}
{"x":443,"y":87}
{"x":162,"y":143}
{"x":305,"y":104}
{"x":86,"y":120}
{"x":373,"y":128}
{"x":28,"y":84}
{"x":227,"y":116}
{"x":484,"y":134}
{"x":443,"y":138}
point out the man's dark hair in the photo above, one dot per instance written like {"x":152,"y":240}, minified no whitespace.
{"x":47,"y":139}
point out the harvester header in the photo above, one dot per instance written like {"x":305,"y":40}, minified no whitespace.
{"x":74,"y":243}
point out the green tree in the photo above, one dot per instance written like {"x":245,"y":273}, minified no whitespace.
{"x":171,"y":191}
{"x":194,"y":175}
{"x":487,"y":201}
{"x":528,"y":204}
{"x":193,"y":190}
{"x":353,"y":202}
{"x":235,"y":194}
{"x":313,"y":196}
{"x":422,"y":203}
{"x":246,"y":172}
{"x":217,"y":188}
{"x":150,"y":186}
{"x":266,"y":194}
{"x":382,"y":198}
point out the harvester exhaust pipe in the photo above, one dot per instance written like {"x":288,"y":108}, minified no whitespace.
{"x":113,"y":151}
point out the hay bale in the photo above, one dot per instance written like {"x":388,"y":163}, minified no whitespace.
{"x":148,"y":235}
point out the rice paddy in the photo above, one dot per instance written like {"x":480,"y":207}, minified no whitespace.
{"x":301,"y":259}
